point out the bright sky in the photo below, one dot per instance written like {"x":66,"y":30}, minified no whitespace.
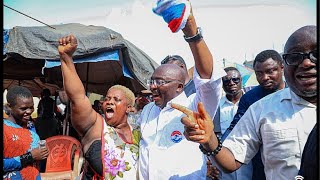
{"x":233,"y":29}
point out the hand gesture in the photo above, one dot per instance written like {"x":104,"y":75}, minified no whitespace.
{"x":212,"y":171}
{"x":67,"y":45}
{"x":40,"y":153}
{"x":198,"y":125}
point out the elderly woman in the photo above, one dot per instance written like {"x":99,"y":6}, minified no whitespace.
{"x":110,"y":143}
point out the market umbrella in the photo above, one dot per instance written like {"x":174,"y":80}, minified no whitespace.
{"x":19,"y":71}
{"x":18,"y":67}
{"x":34,"y":85}
{"x":250,"y":80}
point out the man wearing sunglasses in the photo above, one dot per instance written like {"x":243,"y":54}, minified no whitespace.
{"x":268,"y":67}
{"x":278,"y":124}
{"x":232,"y":86}
{"x":164,"y":152}
{"x":301,"y":56}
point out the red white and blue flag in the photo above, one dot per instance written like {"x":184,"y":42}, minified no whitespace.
{"x":174,"y":12}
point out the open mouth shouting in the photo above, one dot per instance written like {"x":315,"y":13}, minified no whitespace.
{"x":109,"y":113}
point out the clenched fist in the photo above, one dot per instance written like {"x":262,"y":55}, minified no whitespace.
{"x":67,"y":45}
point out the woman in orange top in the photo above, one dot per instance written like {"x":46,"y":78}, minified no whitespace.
{"x":21,"y":153}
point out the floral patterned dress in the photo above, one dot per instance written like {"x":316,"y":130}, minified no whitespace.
{"x":120,"y":159}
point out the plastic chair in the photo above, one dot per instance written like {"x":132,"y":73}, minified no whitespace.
{"x":64,"y":151}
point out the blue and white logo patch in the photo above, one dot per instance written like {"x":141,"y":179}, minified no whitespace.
{"x":176,"y":136}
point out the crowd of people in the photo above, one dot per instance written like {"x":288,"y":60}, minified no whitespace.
{"x":189,"y":129}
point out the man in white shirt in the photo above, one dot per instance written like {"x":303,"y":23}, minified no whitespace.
{"x":232,"y":86}
{"x":164,"y":152}
{"x":279,"y":123}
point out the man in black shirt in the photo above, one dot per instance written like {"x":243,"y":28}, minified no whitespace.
{"x":46,"y":124}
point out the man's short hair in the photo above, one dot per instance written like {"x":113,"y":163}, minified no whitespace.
{"x":17,"y":91}
{"x":227,"y":69}
{"x":266,"y":54}
{"x":174,"y":58}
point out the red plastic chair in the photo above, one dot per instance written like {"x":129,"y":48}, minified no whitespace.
{"x":64,"y":151}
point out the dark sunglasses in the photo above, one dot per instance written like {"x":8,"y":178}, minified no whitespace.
{"x":227,"y":81}
{"x":294,"y":59}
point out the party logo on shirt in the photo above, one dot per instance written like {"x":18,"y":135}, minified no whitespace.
{"x":299,"y":177}
{"x":176,"y":136}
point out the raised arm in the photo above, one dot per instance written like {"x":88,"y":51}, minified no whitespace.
{"x":202,"y":56}
{"x":178,"y":15}
{"x":199,"y":128}
{"x":83,"y":116}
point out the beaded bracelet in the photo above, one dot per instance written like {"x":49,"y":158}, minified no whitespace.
{"x":26,"y":159}
{"x":211,"y":153}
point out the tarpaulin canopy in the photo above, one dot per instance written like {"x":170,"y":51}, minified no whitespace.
{"x":19,"y":71}
{"x":101,"y":52}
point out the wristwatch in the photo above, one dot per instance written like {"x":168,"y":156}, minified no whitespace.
{"x":196,"y":37}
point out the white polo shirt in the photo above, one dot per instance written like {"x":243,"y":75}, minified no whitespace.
{"x":165,"y":153}
{"x":279,"y":124}
{"x":227,"y":112}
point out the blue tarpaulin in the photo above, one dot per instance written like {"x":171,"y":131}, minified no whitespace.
{"x":105,"y":56}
